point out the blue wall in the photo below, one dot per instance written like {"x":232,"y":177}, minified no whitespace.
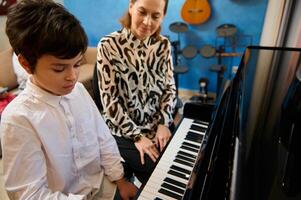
{"x":100,"y":17}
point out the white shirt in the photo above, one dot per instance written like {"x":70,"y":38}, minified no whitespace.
{"x":56,"y":147}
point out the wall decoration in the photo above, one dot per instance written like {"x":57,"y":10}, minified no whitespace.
{"x":4,"y":5}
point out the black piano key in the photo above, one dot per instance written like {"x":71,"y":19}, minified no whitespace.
{"x":178,"y":174}
{"x":168,"y":193}
{"x":200,"y":122}
{"x":173,"y":188}
{"x":185,"y":158}
{"x":186,"y":154}
{"x":189,"y":149}
{"x":198,"y":128}
{"x":193,"y":139}
{"x":183,"y":162}
{"x":193,"y":134}
{"x":175,"y":182}
{"x":191,"y":145}
{"x":157,"y":198}
{"x":177,"y":168}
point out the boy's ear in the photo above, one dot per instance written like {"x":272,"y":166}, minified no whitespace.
{"x":25,"y":64}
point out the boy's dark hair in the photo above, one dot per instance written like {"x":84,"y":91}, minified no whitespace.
{"x":38,"y":27}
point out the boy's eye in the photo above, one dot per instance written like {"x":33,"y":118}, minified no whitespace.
{"x":77,"y":65}
{"x":58,"y":68}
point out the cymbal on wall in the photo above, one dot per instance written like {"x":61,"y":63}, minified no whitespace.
{"x":208,"y":51}
{"x":226,"y":30}
{"x":178,"y":27}
{"x":180,"y":69}
{"x":189,"y":51}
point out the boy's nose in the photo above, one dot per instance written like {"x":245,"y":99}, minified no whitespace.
{"x":72,"y":74}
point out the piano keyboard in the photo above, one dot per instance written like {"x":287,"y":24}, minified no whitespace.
{"x":171,"y":175}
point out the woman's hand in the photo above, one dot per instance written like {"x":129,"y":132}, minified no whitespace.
{"x":146,"y":146}
{"x":163,"y":135}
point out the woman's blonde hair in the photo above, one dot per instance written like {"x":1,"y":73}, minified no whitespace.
{"x":126,"y":20}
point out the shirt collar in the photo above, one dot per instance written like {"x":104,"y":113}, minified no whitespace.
{"x":45,"y":96}
{"x":135,"y":41}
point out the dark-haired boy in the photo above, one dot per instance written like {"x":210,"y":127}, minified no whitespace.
{"x":55,"y":143}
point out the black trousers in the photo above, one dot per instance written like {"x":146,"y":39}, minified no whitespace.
{"x":132,"y":164}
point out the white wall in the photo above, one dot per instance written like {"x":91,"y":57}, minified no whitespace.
{"x":4,"y":43}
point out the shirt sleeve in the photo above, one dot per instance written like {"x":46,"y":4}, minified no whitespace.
{"x":113,"y":111}
{"x":24,"y":164}
{"x":168,"y":99}
{"x":109,"y":153}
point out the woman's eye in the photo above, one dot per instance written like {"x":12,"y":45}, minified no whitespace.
{"x":156,"y":17}
{"x":141,"y":12}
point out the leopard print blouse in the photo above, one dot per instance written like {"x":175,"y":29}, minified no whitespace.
{"x":136,"y":82}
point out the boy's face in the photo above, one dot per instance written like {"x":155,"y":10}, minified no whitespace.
{"x":55,"y":75}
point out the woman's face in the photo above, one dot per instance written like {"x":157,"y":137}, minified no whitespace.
{"x":146,"y":17}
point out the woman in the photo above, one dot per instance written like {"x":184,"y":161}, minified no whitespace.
{"x":137,"y":88}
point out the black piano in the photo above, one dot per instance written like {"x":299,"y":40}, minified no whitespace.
{"x":250,"y":146}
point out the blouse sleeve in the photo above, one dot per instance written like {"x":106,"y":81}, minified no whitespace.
{"x":168,"y":100}
{"x":113,"y":112}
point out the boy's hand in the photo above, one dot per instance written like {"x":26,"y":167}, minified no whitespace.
{"x":127,"y":190}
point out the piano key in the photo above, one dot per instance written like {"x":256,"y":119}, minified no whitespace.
{"x":166,"y":166}
{"x":178,"y":174}
{"x":173,"y":188}
{"x":151,"y":196}
{"x":183,"y":162}
{"x":201,"y":123}
{"x":171,"y":194}
{"x":193,"y":139}
{"x":152,"y":193}
{"x":189,"y":148}
{"x":177,"y":168}
{"x":191,"y":145}
{"x":194,"y":134}
{"x":185,"y":158}
{"x":160,"y":176}
{"x":187,"y":154}
{"x":174,"y":182}
{"x":198,"y":128}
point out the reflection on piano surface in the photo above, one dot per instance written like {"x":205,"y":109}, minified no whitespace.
{"x":248,"y":150}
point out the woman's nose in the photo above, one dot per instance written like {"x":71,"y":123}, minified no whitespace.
{"x":147,"y":20}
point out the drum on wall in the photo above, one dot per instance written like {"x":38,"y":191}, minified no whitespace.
{"x":208,"y":51}
{"x":189,"y":52}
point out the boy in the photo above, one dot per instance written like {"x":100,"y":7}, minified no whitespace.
{"x":55,"y":143}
